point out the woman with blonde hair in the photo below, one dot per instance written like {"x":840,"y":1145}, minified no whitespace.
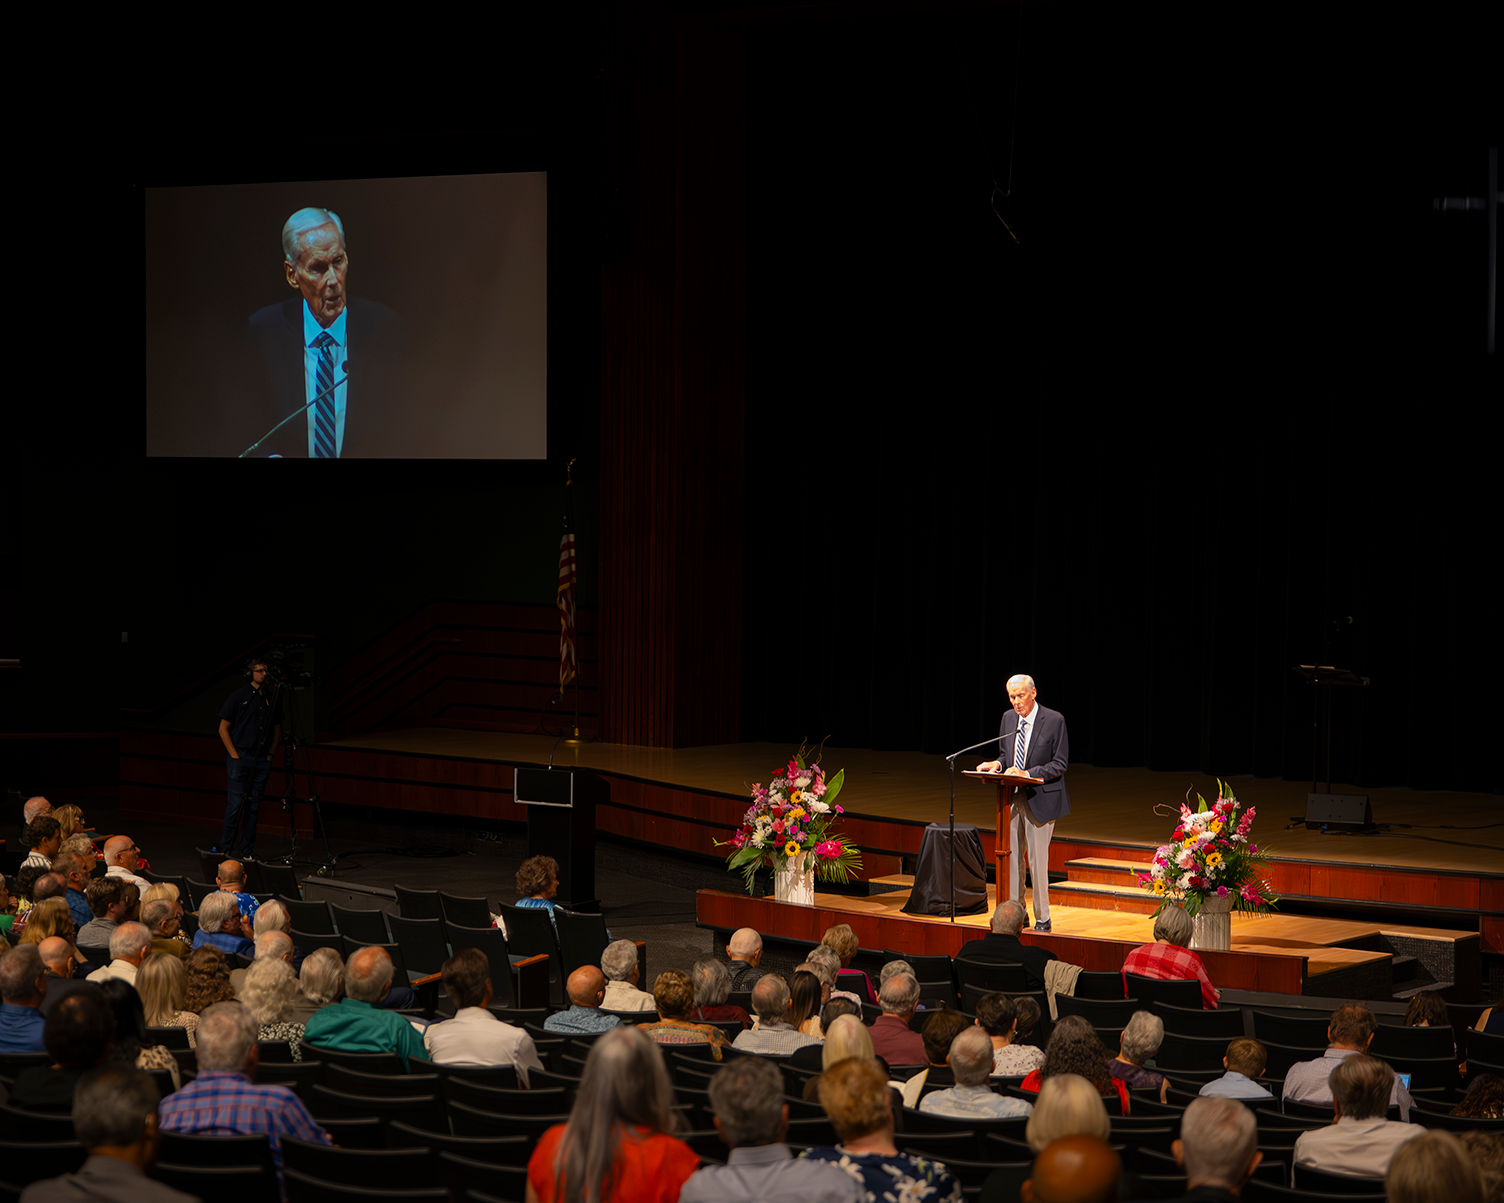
{"x":70,"y":819}
{"x":162,"y":983}
{"x":846,"y":1037}
{"x":208,"y":979}
{"x":842,"y":941}
{"x":268,"y":993}
{"x":1068,"y":1105}
{"x":50,"y":917}
{"x":617,"y":1146}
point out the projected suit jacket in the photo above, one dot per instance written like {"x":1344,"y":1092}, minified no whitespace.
{"x":373,"y":425}
{"x":1049,"y":754}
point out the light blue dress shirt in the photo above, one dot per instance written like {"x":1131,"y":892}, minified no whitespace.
{"x":311,"y":330}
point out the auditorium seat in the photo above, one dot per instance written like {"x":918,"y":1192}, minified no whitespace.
{"x":1225,"y":1023}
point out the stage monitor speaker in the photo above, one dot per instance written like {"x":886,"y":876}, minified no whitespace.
{"x":1339,"y":812}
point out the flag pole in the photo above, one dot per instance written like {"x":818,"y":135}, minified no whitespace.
{"x":568,"y":579}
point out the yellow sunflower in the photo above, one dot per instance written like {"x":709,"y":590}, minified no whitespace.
{"x":1159,"y":886}
{"x":1213,"y":859}
{"x":796,"y":797}
{"x":797,"y":813}
{"x":791,"y":849}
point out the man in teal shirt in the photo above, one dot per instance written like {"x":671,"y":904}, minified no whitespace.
{"x":355,"y":1024}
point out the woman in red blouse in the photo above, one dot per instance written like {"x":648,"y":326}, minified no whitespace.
{"x":1075,"y":1049}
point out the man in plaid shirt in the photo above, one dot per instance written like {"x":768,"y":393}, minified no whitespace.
{"x":223,"y":1101}
{"x":1168,"y":957}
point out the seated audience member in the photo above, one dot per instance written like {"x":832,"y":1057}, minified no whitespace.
{"x":1362,"y":1141}
{"x":1002,"y":944}
{"x":272,"y":916}
{"x":1435,"y":1167}
{"x":674,"y":995}
{"x":475,"y":1036}
{"x":744,"y":952}
{"x":824,"y":974}
{"x":842,"y":941}
{"x":804,"y":1004}
{"x":321,"y":982}
{"x":854,"y":1093}
{"x":1484,"y":1098}
{"x":1140,"y":1040}
{"x":1351,"y":1032}
{"x":110,"y":905}
{"x":970,"y":1061}
{"x":57,"y":958}
{"x":774,"y":1035}
{"x":221,"y":925}
{"x":76,"y":1036}
{"x":128,"y":948}
{"x":1028,"y":1019}
{"x":828,"y":965}
{"x":270,"y":946}
{"x":162,"y":983}
{"x":1244,"y":1063}
{"x":128,"y":1044}
{"x":43,"y":836}
{"x":617,"y":1139}
{"x":166,"y":891}
{"x":268,"y":993}
{"x":1170,"y":957}
{"x":230,"y":878}
{"x":892,"y":1038}
{"x":1068,"y":1105}
{"x":75,"y":871}
{"x":939,"y":1031}
{"x":619,"y":964}
{"x":46,"y":919}
{"x":845,"y":1036}
{"x":812,"y":1056}
{"x":712,"y":986}
{"x":355,"y":1024}
{"x":8,"y":905}
{"x":1428,"y":1009}
{"x":23,"y":984}
{"x":1217,"y":1149}
{"x":586,"y":987}
{"x":208,"y":979}
{"x":160,"y":918}
{"x":115,"y":1119}
{"x":223,"y":1101}
{"x":753,"y":1119}
{"x":71,"y":820}
{"x":34,"y":807}
{"x":1487,"y":1151}
{"x":1492,"y":1020}
{"x":121,"y":859}
{"x":1074,"y":1169}
{"x":997,"y":1015}
{"x":1075,"y":1049}
{"x":537,"y":883}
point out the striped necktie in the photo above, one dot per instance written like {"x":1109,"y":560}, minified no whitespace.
{"x":324,"y":446}
{"x":1018,"y":744}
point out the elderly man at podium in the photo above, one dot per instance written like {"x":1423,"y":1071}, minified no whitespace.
{"x":1033,"y":743}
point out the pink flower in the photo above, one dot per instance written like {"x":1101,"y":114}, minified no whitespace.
{"x":1221,"y":891}
{"x":1251,"y":892}
{"x":828,"y":849}
{"x":739,"y":840}
{"x":778,"y":826}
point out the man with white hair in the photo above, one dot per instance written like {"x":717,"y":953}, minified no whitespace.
{"x":744,"y":951}
{"x":1217,"y":1149}
{"x":23,"y":984}
{"x":34,"y":809}
{"x":1032,"y":743}
{"x":161,"y":919}
{"x":970,"y":1061}
{"x":128,"y":948}
{"x":270,"y":946}
{"x":222,"y":1101}
{"x":221,"y":924}
{"x":303,"y":344}
{"x":892,"y":1038}
{"x":122,"y":858}
{"x":356,"y":1024}
{"x":774,"y":1035}
{"x":619,"y":964}
{"x":1002,"y":944}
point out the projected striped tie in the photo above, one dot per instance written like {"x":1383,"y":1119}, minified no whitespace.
{"x":323,"y":426}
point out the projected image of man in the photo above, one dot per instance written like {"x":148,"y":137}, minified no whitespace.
{"x":305,"y":347}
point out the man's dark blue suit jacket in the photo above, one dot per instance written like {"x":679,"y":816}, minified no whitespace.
{"x":1049,"y":754}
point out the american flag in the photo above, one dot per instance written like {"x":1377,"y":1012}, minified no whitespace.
{"x":568,"y":575}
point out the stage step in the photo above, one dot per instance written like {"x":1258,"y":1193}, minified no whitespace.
{"x":1105,"y":871}
{"x":1130,"y":900}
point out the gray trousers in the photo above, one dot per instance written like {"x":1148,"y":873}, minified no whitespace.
{"x":1031,"y":850}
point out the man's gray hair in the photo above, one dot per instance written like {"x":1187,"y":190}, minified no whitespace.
{"x":712,"y":982}
{"x":1362,"y":1086}
{"x":747,"y":1098}
{"x":111,"y":1105}
{"x":1174,"y":926}
{"x":971,"y":1057}
{"x":898,"y":994}
{"x":893,"y":967}
{"x":216,"y":909}
{"x":320,"y":976}
{"x":770,"y":999}
{"x":273,"y":945}
{"x":1009,"y":918}
{"x":271,"y":916}
{"x":304,"y":221}
{"x":368,"y":972}
{"x":618,"y":961}
{"x":1218,"y":1139}
{"x":821,"y":969}
{"x":744,"y":942}
{"x":1018,"y":679}
{"x":34,"y":807}
{"x":1142,"y":1036}
{"x":157,"y":912}
{"x":19,"y":970}
{"x":129,"y":940}
{"x":226,"y":1035}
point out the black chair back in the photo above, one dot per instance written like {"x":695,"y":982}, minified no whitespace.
{"x":28,"y":1163}
{"x":582,"y":939}
{"x":464,"y":910}
{"x":936,"y":975}
{"x":268,"y":878}
{"x":1225,"y":1023}
{"x":1303,"y":1032}
{"x":497,"y":1150}
{"x":307,"y":941}
{"x":1308,"y":1178}
{"x":529,"y":933}
{"x":376,"y":1169}
{"x":1178,"y":992}
{"x":1202,"y":1053}
{"x":309,"y":916}
{"x":422,"y":941}
{"x":249,"y":1183}
{"x":366,"y":926}
{"x":305,"y":1188}
{"x":493,"y":943}
{"x":1099,"y":1012}
{"x":369,"y":1063}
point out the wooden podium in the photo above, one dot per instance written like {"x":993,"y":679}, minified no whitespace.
{"x":1003,"y":851}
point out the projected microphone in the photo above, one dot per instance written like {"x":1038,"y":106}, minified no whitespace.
{"x":345,"y":379}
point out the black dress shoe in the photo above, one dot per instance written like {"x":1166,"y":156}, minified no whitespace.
{"x":1043,"y":925}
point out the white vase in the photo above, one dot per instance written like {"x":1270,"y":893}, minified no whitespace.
{"x":795,"y":883}
{"x":1214,"y":924}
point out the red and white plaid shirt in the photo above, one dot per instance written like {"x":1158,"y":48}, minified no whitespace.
{"x":1169,"y":961}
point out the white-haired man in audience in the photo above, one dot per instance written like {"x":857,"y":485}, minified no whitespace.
{"x":712,"y":982}
{"x":221,"y":924}
{"x":357,"y":1024}
{"x":1350,"y":1032}
{"x":129,"y":946}
{"x":270,"y":946}
{"x":744,"y":951}
{"x":160,"y":917}
{"x":1217,"y":1149}
{"x":1362,"y":1140}
{"x":223,"y":1100}
{"x":1002,"y":944}
{"x":122,"y":858}
{"x":321,"y":983}
{"x":752,"y":1117}
{"x":619,"y":964}
{"x":23,"y":985}
{"x":475,"y":1036}
{"x":35,"y":808}
{"x":970,"y":1061}
{"x":774,"y":1035}
{"x":892,"y":1038}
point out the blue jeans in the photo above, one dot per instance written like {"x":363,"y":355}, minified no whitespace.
{"x":247,"y":780}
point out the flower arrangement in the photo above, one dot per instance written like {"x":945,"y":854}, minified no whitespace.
{"x":1211,"y":855}
{"x":792,"y":818}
